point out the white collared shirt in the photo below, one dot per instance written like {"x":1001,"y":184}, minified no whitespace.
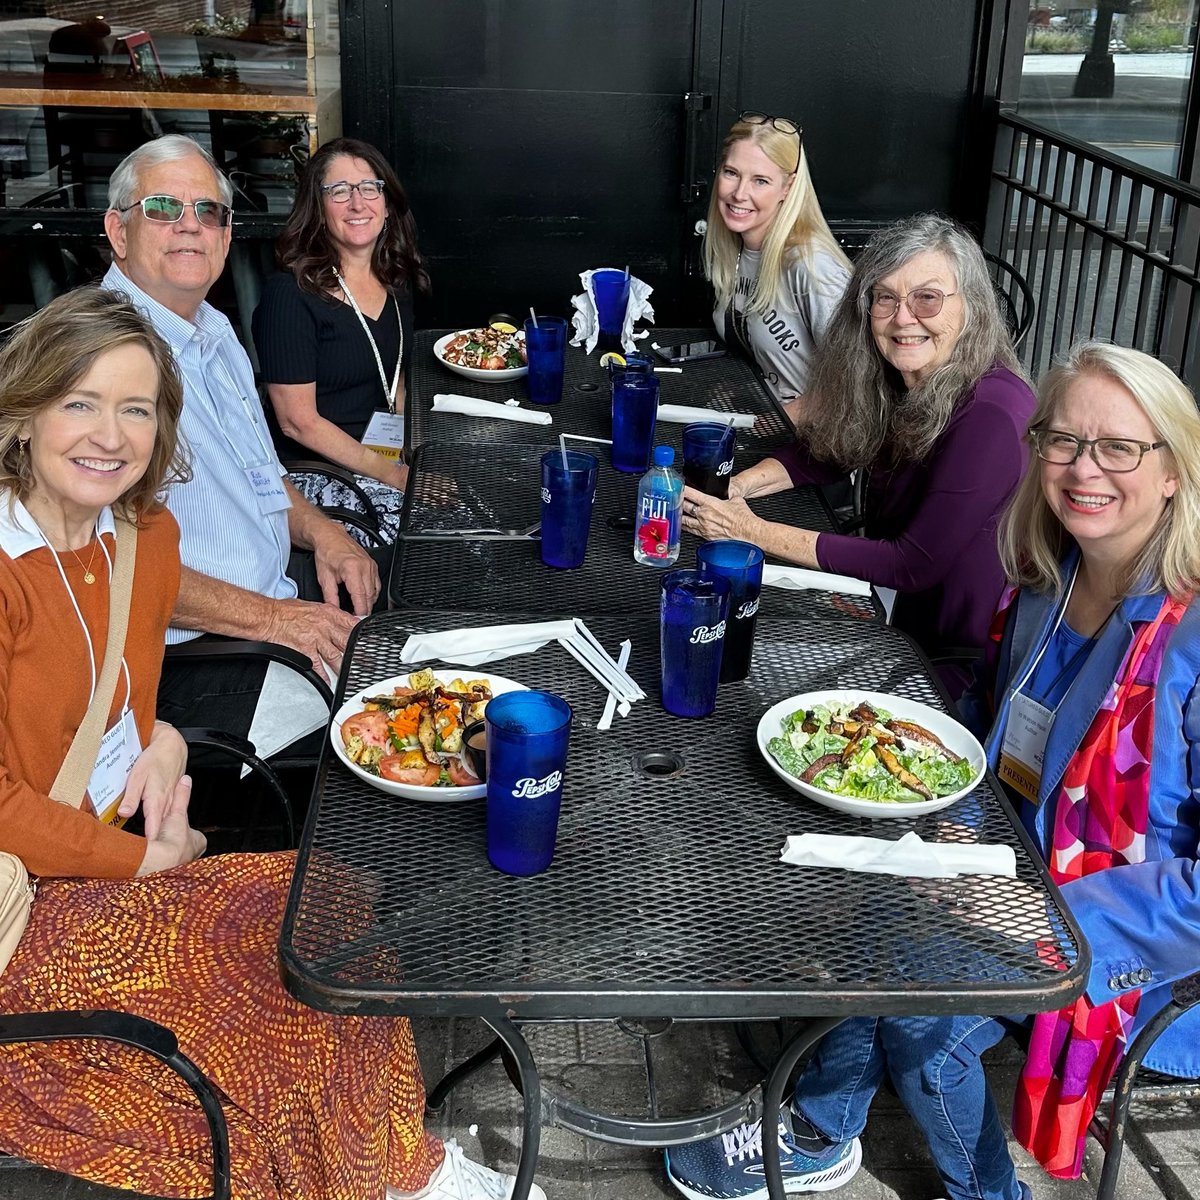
{"x":222,"y":532}
{"x":19,"y":532}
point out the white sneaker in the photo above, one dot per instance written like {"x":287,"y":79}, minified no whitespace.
{"x":459,"y":1178}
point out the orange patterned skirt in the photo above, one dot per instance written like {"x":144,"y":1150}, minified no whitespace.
{"x":319,"y":1107}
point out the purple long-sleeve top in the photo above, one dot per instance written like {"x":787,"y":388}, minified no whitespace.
{"x":931,"y":525}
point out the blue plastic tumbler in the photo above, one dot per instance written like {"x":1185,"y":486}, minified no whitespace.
{"x":708,"y":457}
{"x":634,"y":412}
{"x":741,"y":564}
{"x":527,"y":734}
{"x":611,"y":291}
{"x":692,"y":637}
{"x":568,"y":489}
{"x":546,"y":352}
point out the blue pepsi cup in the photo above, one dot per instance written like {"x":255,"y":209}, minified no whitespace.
{"x":568,"y":489}
{"x":546,"y":353}
{"x":527,"y":735}
{"x":708,"y":457}
{"x":610,"y":289}
{"x":741,"y":565}
{"x":634,"y":413}
{"x":692,"y":637}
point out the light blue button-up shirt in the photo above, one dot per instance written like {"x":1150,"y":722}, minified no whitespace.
{"x":222,"y":531}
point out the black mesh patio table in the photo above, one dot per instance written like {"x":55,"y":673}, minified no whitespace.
{"x":497,"y":486}
{"x":728,"y":384}
{"x":666,"y":897}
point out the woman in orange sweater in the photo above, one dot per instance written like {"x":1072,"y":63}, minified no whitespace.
{"x":318,"y":1106}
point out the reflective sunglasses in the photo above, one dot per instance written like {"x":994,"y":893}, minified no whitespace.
{"x":1118,"y":455}
{"x":339,"y":193}
{"x":922,"y":303}
{"x":169,"y":209}
{"x":784,"y":124}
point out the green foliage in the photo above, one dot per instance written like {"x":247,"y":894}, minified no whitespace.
{"x":221,"y":26}
{"x":1155,"y":37}
{"x":1057,"y":41}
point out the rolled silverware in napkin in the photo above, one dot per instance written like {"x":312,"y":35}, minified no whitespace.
{"x":682,"y":414}
{"x":909,"y":856}
{"x":823,"y":581}
{"x":471,"y":406}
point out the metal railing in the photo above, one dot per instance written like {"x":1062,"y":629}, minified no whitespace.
{"x":1110,"y":249}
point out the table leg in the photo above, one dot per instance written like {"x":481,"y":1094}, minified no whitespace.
{"x":436,"y":1100}
{"x":531,"y":1097}
{"x":801,"y":1044}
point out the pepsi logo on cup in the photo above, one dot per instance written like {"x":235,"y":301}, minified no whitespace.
{"x":703,"y":634}
{"x":725,"y":468}
{"x":747,"y":610}
{"x":545,"y":495}
{"x":530,"y":788}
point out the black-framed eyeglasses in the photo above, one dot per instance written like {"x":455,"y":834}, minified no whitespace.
{"x":1118,"y":455}
{"x":751,"y":116}
{"x":169,"y":209}
{"x":921,"y":302}
{"x":339,"y":193}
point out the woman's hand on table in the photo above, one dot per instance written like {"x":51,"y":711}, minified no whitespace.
{"x":710,"y":518}
{"x":154,"y":777}
{"x":175,"y":842}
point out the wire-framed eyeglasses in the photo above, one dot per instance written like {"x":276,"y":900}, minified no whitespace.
{"x":1118,"y":455}
{"x":921,"y":302}
{"x":751,"y":116}
{"x":339,"y":193}
{"x":169,"y":209}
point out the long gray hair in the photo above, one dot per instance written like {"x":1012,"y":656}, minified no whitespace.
{"x":858,"y":403}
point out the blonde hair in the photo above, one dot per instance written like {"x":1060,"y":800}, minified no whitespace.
{"x":1033,"y":541}
{"x":799,"y":226}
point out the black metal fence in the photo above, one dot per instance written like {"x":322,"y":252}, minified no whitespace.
{"x":1110,"y":250}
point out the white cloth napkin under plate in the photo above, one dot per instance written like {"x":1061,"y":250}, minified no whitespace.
{"x":473,"y":407}
{"x":586,"y":322}
{"x":681,"y":414}
{"x":909,"y":856}
{"x":823,"y":581}
{"x":474,"y":646}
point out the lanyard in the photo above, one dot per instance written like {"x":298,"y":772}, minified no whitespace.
{"x":388,"y":392}
{"x":1058,"y":620}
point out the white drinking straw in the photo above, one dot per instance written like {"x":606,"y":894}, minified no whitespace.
{"x":610,"y":705}
{"x":534,"y":316}
{"x":626,"y":270}
{"x":562,"y":445}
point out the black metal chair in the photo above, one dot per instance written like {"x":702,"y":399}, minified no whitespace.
{"x":1015,"y":297}
{"x":154,"y":1039}
{"x":367,"y":520}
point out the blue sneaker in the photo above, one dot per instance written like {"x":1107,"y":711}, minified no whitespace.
{"x":730,"y":1165}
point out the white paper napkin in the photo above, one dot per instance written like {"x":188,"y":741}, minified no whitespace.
{"x":586,"y":322}
{"x":288,"y":708}
{"x":681,"y":414}
{"x":472,"y":647}
{"x":824,"y":581}
{"x":909,"y":856}
{"x":474,"y":407}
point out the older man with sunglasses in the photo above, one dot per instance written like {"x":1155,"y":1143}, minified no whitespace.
{"x":169,"y":225}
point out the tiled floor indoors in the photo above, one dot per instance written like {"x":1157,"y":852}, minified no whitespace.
{"x":601,"y":1066}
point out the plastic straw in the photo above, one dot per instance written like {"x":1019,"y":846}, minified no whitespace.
{"x":626,"y":270}
{"x":534,"y":316}
{"x":562,"y":445}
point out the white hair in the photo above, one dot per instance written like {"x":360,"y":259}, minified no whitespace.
{"x":171,"y":147}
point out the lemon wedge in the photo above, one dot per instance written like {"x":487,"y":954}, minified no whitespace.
{"x":503,"y":327}
{"x":612,"y":358}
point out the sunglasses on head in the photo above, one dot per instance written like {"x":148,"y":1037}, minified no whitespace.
{"x":169,"y":209}
{"x":783,"y":124}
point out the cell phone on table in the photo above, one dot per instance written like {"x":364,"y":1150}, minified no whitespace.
{"x":687,"y":352}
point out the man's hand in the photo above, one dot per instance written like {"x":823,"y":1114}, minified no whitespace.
{"x":338,"y":558}
{"x":154,"y":777}
{"x":318,"y":630}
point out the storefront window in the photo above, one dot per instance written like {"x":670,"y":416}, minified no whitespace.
{"x":1114,"y":74}
{"x":250,"y":80}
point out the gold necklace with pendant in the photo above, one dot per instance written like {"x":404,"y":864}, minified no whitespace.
{"x":88,"y":577}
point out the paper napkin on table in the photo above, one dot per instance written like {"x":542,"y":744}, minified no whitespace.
{"x":586,"y":322}
{"x":824,"y":581}
{"x":474,"y":646}
{"x":681,"y":414}
{"x":473,"y":407}
{"x":909,"y":856}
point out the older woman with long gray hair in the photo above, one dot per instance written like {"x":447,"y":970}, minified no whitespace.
{"x":917,"y":385}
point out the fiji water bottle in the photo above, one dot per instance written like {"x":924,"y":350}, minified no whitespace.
{"x":660,"y":499}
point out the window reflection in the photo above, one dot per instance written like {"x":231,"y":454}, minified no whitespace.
{"x":78,"y":92}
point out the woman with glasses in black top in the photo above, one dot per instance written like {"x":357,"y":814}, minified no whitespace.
{"x":333,"y":330}
{"x":776,"y":269}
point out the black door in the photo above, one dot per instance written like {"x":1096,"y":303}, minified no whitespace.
{"x":537,"y":140}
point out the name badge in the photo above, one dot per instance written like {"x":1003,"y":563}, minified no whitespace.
{"x":119,"y":749}
{"x":385,"y":434}
{"x":1023,"y":750}
{"x":268,"y":489}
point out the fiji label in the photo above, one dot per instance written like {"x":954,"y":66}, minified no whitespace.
{"x":703,"y":634}
{"x":530,"y":788}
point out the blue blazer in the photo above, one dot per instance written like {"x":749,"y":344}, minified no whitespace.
{"x":1142,"y":921}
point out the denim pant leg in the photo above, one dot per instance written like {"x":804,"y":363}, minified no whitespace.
{"x":837,"y":1086}
{"x":935,"y":1067}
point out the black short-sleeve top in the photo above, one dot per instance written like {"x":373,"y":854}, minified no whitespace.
{"x":302,"y":338}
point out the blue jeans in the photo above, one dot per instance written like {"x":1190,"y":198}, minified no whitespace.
{"x":934,"y":1065}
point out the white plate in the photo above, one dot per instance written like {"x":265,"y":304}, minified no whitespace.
{"x":953,"y":735}
{"x":413,"y":791}
{"x":505,"y":376}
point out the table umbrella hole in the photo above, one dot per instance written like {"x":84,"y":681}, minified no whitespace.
{"x":622,"y":523}
{"x":587,"y":387}
{"x":660,"y":764}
